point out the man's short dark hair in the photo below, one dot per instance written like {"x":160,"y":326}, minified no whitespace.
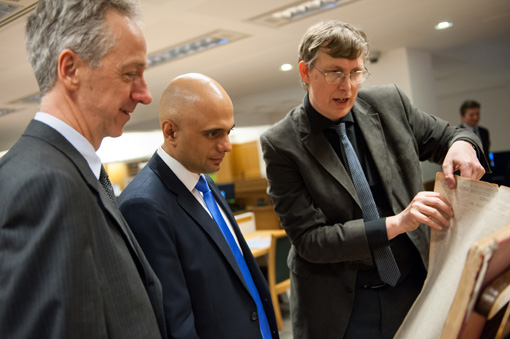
{"x":468,"y":104}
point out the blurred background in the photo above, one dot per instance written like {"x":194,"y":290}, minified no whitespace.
{"x":243,"y":45}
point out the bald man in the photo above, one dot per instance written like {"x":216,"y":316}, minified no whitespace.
{"x":212,"y":286}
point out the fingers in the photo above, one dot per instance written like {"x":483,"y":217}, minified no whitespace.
{"x":435,"y":210}
{"x":449,"y":177}
{"x":434,"y":218}
{"x":472,"y":170}
{"x":461,"y":156}
{"x":428,"y":208}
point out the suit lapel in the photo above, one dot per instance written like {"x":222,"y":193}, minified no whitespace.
{"x":320,"y":149}
{"x":372,"y":131}
{"x":195,"y":211}
{"x":40,"y":130}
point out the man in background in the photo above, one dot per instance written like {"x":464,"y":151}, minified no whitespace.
{"x":345,"y":179}
{"x":69,"y":265}
{"x":470,"y":117}
{"x":212,"y":285}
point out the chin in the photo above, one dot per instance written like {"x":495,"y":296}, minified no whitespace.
{"x":117,"y":134}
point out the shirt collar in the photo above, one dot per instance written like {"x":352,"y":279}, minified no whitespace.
{"x":318,"y":122}
{"x":188,"y":178}
{"x":469,"y":127}
{"x":82,"y":145}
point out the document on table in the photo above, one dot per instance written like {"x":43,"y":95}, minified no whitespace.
{"x":259,"y":242}
{"x":479,"y":209}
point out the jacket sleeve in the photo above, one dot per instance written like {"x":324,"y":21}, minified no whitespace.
{"x":151,"y":222}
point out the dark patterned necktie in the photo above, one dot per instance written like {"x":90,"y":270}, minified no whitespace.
{"x":107,"y":185}
{"x":383,"y":256}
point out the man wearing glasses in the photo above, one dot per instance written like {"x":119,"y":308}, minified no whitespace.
{"x":344,"y":175}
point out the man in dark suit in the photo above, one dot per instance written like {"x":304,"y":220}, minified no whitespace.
{"x":199,"y":260}
{"x":470,"y":117}
{"x":69,"y":265}
{"x":344,"y":175}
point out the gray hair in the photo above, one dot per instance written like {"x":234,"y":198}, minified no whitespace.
{"x":78,"y":25}
{"x":336,"y":38}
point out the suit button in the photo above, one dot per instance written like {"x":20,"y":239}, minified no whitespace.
{"x":254,"y":316}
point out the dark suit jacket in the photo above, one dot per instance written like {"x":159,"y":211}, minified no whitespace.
{"x":69,"y":265}
{"x":204,"y":293}
{"x":318,"y":206}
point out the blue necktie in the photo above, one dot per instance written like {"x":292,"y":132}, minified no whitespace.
{"x":383,"y":256}
{"x":216,"y":214}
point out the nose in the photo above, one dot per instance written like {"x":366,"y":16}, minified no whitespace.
{"x":140,"y":92}
{"x":225,"y":145}
{"x":345,"y":81}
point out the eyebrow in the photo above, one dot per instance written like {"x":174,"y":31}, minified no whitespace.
{"x":341,"y":69}
{"x":135,"y":64}
{"x":218,"y":129}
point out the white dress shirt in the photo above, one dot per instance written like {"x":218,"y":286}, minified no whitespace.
{"x":78,"y":141}
{"x":190,"y":180}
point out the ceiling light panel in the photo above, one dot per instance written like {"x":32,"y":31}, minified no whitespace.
{"x":34,"y":98}
{"x":190,"y":47}
{"x":10,"y":10}
{"x":296,"y":11}
{"x":5,"y":111}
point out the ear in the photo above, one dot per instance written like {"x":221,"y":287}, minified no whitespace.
{"x":68,"y":69}
{"x":303,"y":71}
{"x":169,"y":131}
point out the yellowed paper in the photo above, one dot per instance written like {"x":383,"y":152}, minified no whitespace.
{"x":479,"y":209}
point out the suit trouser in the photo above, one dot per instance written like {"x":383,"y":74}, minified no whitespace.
{"x":378,"y":312}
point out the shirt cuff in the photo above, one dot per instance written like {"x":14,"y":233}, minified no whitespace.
{"x":377,"y":236}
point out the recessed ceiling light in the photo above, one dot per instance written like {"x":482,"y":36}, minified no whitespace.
{"x":443,"y":25}
{"x":286,"y":67}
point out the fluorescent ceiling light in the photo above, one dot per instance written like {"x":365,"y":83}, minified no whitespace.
{"x":5,"y":111}
{"x":198,"y":44}
{"x":34,"y":98}
{"x":443,"y":25}
{"x":11,"y":10}
{"x":6,"y":10}
{"x":298,"y":10}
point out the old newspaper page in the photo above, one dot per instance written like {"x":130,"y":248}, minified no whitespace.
{"x":479,"y":209}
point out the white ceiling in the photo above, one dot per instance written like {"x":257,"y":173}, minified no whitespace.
{"x":248,"y":68}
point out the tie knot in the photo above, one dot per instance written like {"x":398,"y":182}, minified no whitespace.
{"x":103,"y":176}
{"x":341,"y":128}
{"x":202,"y":185}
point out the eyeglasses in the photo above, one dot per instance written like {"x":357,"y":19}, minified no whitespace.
{"x":334,"y":78}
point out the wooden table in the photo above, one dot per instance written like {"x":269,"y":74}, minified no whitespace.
{"x":261,"y":238}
